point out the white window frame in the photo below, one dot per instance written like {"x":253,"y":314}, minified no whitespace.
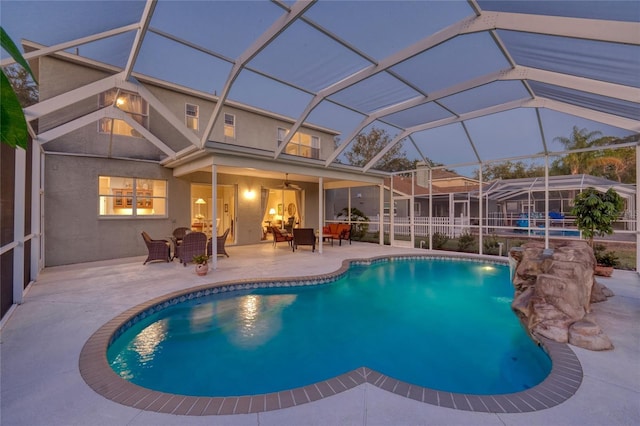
{"x":295,"y":141}
{"x":134,"y":115}
{"x":133,"y":198}
{"x":194,"y":118}
{"x":231,"y":127}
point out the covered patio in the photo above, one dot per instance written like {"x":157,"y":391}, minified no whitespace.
{"x":41,"y":383}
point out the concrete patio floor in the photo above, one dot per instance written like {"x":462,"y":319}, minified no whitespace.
{"x":42,"y":339}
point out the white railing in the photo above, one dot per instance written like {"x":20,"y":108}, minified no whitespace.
{"x":442,"y":225}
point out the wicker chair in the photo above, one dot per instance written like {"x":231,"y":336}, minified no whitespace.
{"x":304,"y":237}
{"x":158,"y":249}
{"x":279,"y":236}
{"x":221,"y":241}
{"x":193,"y":244}
{"x":178,"y":235}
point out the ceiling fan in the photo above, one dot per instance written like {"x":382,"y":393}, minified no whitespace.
{"x":288,"y":185}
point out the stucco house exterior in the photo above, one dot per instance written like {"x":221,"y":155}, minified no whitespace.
{"x":114,"y":158}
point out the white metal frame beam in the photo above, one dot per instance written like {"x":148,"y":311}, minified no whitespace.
{"x":297,"y":10}
{"x":145,"y":20}
{"x":70,"y":44}
{"x":68,"y":98}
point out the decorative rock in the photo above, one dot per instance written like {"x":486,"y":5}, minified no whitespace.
{"x":587,"y":334}
{"x":599,"y":292}
{"x":554,"y":290}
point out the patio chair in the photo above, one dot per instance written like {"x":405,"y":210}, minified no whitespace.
{"x":290,"y":224}
{"x":221,"y":241}
{"x":178,"y":235}
{"x":193,"y":244}
{"x":158,"y":249}
{"x":279,"y":236}
{"x":304,"y":236}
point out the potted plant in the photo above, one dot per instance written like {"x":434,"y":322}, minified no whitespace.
{"x":605,"y":261}
{"x":202,"y":264}
{"x":595,"y":213}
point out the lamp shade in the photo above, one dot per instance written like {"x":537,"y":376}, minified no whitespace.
{"x":272,"y":211}
{"x":200,"y":201}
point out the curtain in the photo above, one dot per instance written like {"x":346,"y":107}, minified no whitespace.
{"x":264,"y":198}
{"x":298,"y":204}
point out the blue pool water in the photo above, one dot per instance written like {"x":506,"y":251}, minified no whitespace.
{"x":441,"y":324}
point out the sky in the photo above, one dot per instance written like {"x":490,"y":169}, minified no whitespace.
{"x":309,"y":61}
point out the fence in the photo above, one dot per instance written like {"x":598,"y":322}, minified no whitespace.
{"x":442,"y":225}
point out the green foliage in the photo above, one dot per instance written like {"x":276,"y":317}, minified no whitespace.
{"x":200,"y":259}
{"x":439,"y":240}
{"x":13,"y":126}
{"x":367,"y":146}
{"x":604,"y":257}
{"x":358,"y":221}
{"x":509,"y":170}
{"x":596,"y":212}
{"x":617,"y":164}
{"x":466,"y":242}
{"x":491,"y":244}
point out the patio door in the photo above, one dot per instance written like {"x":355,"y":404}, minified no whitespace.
{"x":282,"y":208}
{"x":201,"y":210}
{"x":401,"y":222}
{"x":460,"y":217}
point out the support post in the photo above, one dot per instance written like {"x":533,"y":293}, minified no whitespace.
{"x":214,"y":216}
{"x":381,"y":216}
{"x":320,"y":212}
{"x":18,"y":225}
{"x":480,"y":211}
{"x":430,"y":209}
{"x":546,"y":201}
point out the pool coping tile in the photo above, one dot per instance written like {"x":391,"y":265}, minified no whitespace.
{"x":561,"y":384}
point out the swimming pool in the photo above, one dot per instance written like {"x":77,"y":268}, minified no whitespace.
{"x":93,"y":360}
{"x":441,"y":324}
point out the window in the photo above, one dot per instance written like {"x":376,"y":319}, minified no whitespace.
{"x":386,"y":208}
{"x":132,"y":197}
{"x":301,"y":144}
{"x":417,"y":209}
{"x":230,"y":126}
{"x":132,"y":104}
{"x":192,"y":115}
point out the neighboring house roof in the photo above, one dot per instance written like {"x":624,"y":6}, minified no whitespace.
{"x":503,"y":189}
{"x":403,"y":185}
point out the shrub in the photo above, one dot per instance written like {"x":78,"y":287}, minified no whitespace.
{"x":491,"y":244}
{"x":357,"y":217}
{"x":439,"y":240}
{"x":466,"y":241}
{"x":605,"y":258}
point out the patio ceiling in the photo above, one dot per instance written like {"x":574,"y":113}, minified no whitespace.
{"x":456,"y":82}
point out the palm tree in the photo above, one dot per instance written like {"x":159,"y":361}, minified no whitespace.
{"x":580,"y":162}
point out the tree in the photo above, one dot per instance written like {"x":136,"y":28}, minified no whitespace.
{"x":579,"y":162}
{"x":367,"y":146}
{"x":13,"y":126}
{"x":509,"y":170}
{"x":23,"y":85}
{"x":596,"y":212}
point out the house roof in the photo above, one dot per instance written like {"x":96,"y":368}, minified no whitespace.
{"x":403,"y":185}
{"x":456,"y":82}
